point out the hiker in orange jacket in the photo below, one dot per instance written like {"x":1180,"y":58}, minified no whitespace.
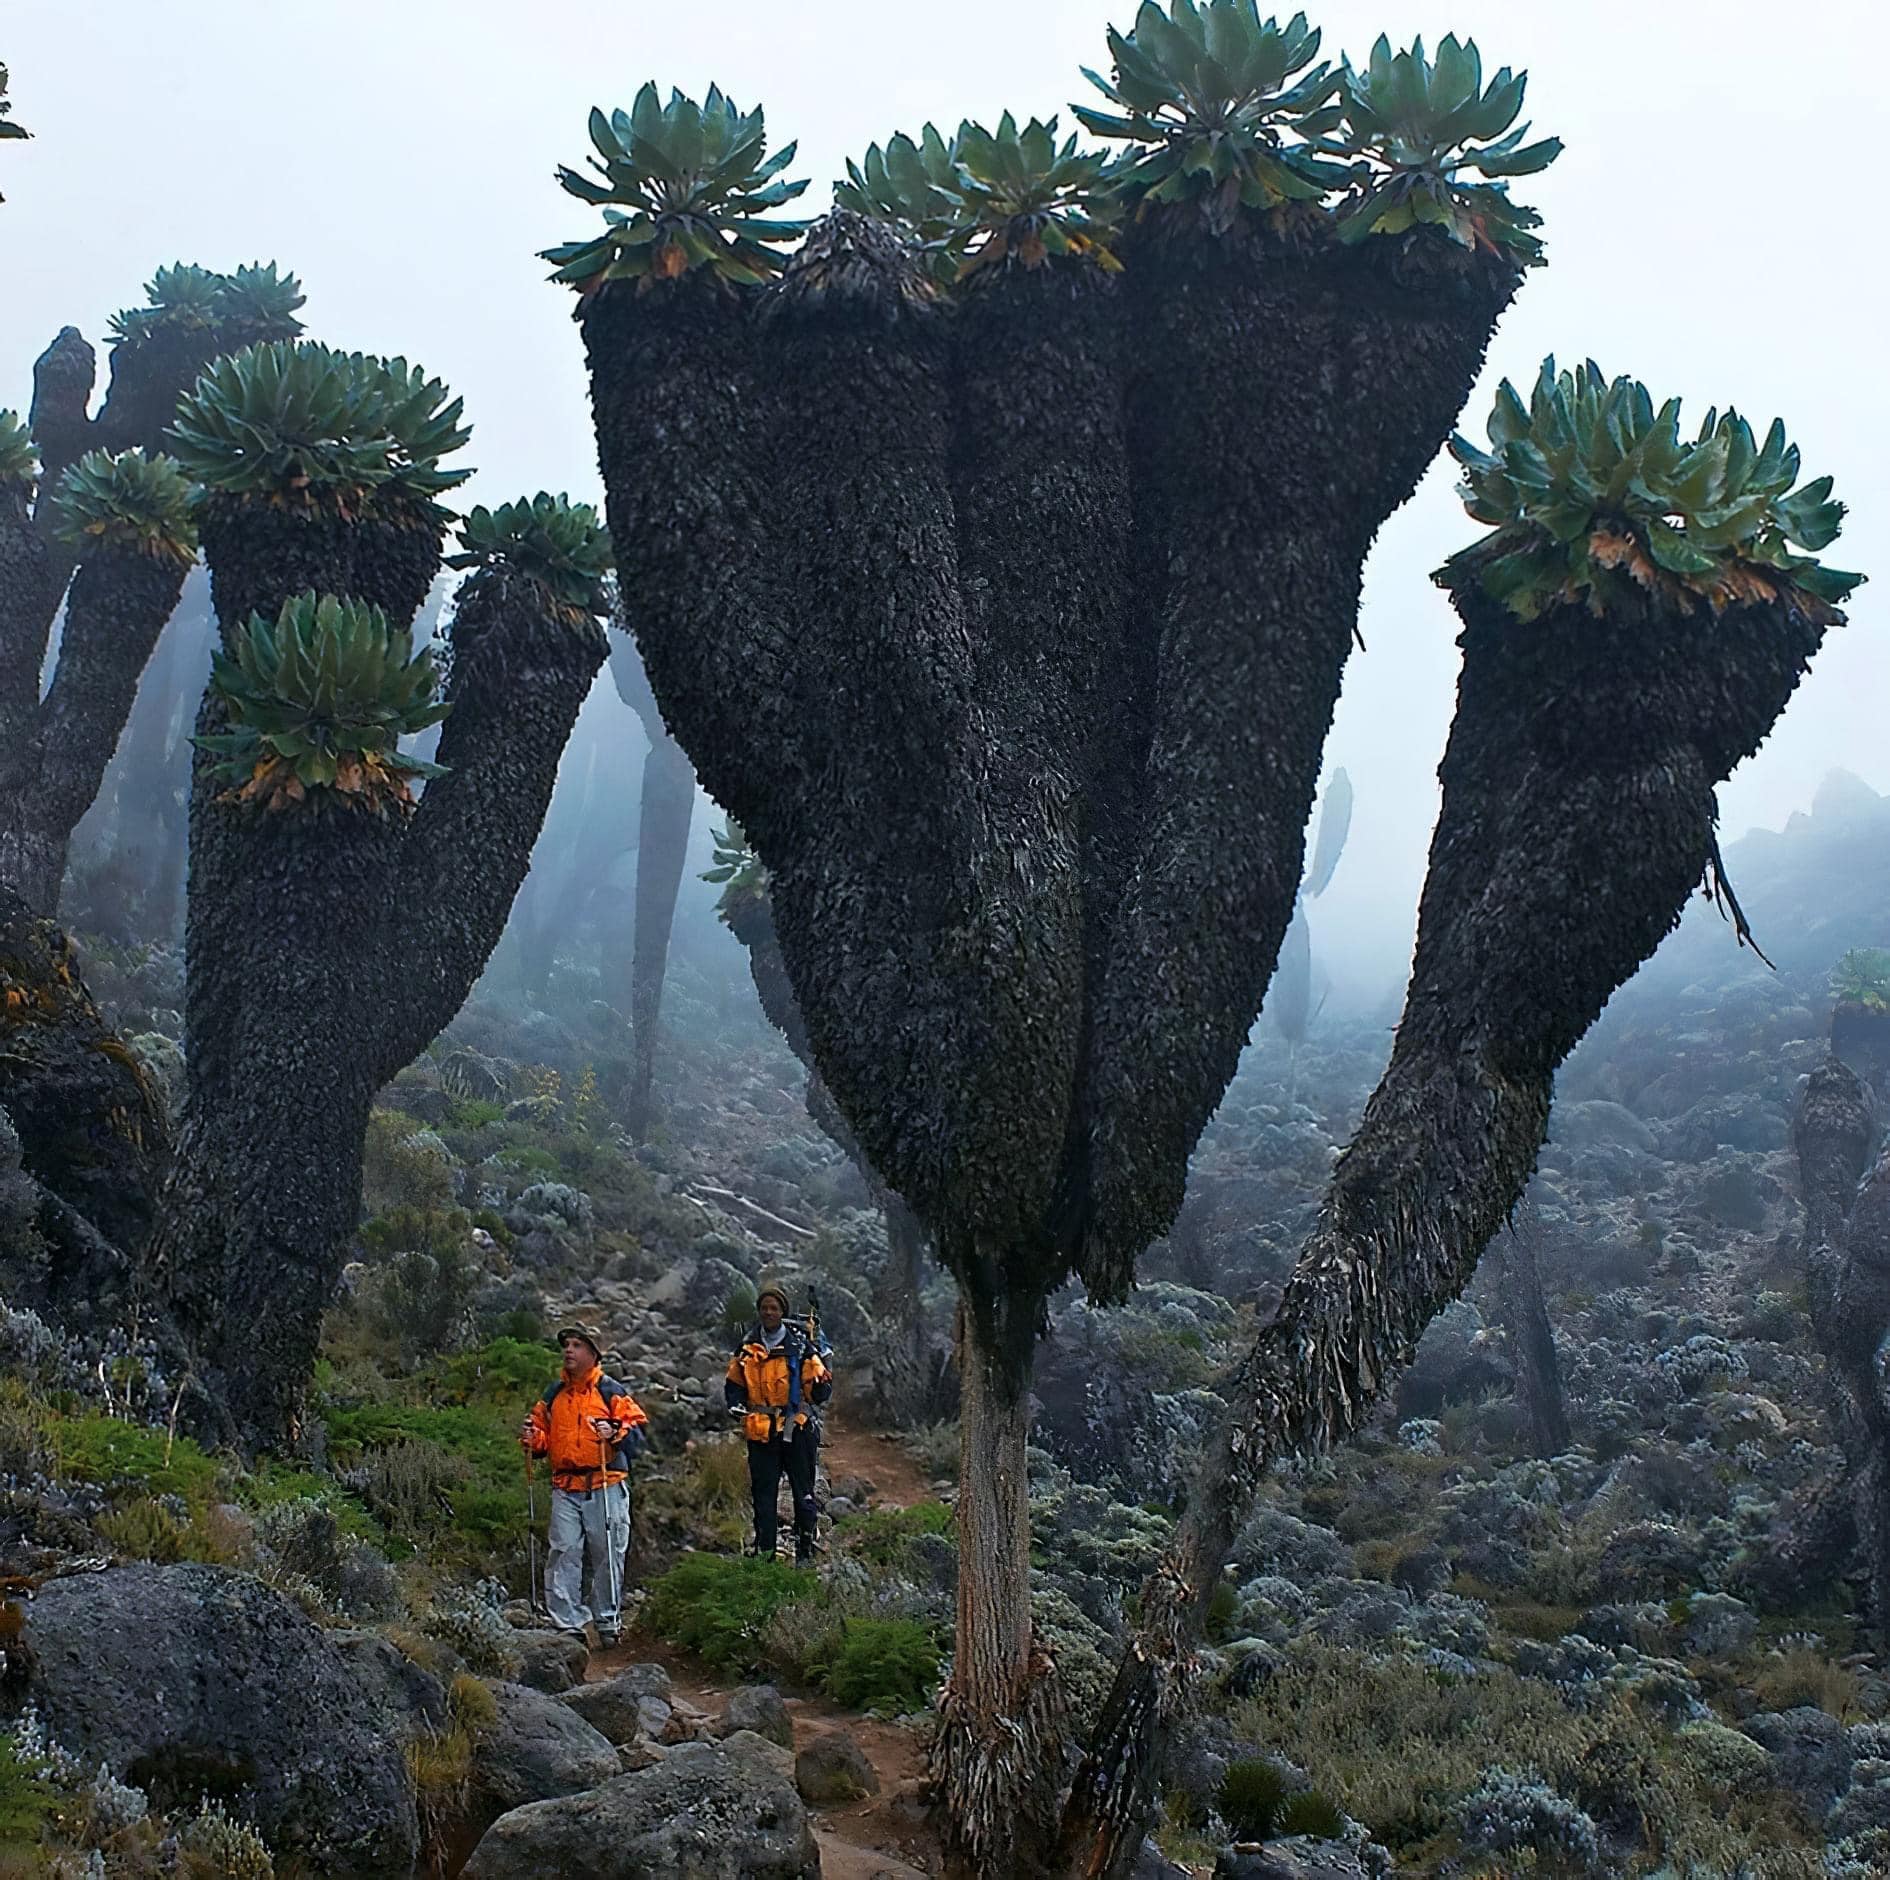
{"x":776,"y":1383}
{"x":590,"y":1428}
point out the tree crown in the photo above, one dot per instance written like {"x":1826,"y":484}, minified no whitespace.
{"x":19,"y":460}
{"x":127,"y":500}
{"x":1422,"y":130}
{"x":9,"y":128}
{"x":319,"y":699}
{"x":685,"y":186}
{"x":1591,"y":492}
{"x":295,"y":421}
{"x":1208,"y":90}
{"x":1862,"y":977}
{"x":561,"y":545}
{"x":253,"y":305}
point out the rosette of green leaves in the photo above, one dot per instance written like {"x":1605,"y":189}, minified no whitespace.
{"x":912,"y":187}
{"x":1019,"y":195}
{"x":737,"y":868}
{"x":1209,"y":90}
{"x":320,"y":698}
{"x":1588,"y":487}
{"x":1439,"y":144}
{"x":255,"y":304}
{"x":19,"y":459}
{"x":685,"y":185}
{"x":125,"y":499}
{"x":1862,"y":977}
{"x":296,"y":421}
{"x":422,"y":418}
{"x":561,"y":545}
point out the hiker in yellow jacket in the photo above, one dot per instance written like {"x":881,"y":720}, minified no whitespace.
{"x":589,"y":1427}
{"x":777,"y":1382}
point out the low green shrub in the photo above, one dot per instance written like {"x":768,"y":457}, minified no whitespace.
{"x":881,"y":1536}
{"x":888,"y":1665}
{"x":90,"y":1447}
{"x":143,"y":1530}
{"x":25,"y":1800}
{"x":1251,"y":1796}
{"x":717,"y":1605}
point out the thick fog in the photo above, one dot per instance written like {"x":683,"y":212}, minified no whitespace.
{"x":1709,"y":227}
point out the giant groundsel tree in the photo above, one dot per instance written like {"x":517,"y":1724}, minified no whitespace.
{"x":996,"y":558}
{"x":1633,"y":624}
{"x":335,"y":924}
{"x":94,"y":518}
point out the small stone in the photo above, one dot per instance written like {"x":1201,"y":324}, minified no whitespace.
{"x":760,"y":1708}
{"x":833,"y":1768}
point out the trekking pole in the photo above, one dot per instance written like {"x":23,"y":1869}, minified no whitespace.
{"x":531,"y":1532}
{"x":610,"y":1546}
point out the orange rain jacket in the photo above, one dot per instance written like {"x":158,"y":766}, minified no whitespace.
{"x":562,"y":1431}
{"x":757,"y":1381}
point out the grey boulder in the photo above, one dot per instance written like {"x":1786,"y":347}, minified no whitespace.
{"x":187,"y":1677}
{"x":537,"y":1749}
{"x":618,"y":1707}
{"x":833,"y":1768}
{"x":760,"y":1708}
{"x":707,"y":1811}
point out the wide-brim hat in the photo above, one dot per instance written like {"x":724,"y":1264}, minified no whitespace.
{"x":589,"y":1337}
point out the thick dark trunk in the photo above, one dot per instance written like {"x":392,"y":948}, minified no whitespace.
{"x":519,"y":677}
{"x":116,"y":608}
{"x":668,"y":802}
{"x":29,"y":598}
{"x":92,"y":1129}
{"x":262,"y":554}
{"x":1577,"y":818}
{"x":1040,"y":490}
{"x":1533,"y":1365}
{"x":993,"y":1760}
{"x":1283,"y":404}
{"x":1847,"y":1283}
{"x":288,"y":932}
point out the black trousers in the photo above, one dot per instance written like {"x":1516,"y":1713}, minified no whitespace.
{"x":766,"y":1462}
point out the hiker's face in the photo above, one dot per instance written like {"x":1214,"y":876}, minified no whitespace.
{"x":577,"y":1357}
{"x":770,"y":1313}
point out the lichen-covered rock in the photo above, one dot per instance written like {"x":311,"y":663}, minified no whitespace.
{"x":1811,"y":1755}
{"x":834,"y":1769}
{"x":615,"y":1706}
{"x":762,"y":1709}
{"x":535,"y":1749}
{"x":708,"y":1811}
{"x":184,"y":1677}
{"x":551,"y":1661}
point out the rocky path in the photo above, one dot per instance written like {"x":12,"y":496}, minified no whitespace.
{"x":883,"y":1836}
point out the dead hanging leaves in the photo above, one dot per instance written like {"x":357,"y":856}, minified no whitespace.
{"x":362,"y":782}
{"x":1732,"y":583}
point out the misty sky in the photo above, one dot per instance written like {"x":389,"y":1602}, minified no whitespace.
{"x":1712,"y":228}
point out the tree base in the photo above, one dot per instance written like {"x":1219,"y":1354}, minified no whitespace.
{"x":995,"y":1777}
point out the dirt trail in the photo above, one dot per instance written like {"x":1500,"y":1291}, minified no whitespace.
{"x":880,"y":1837}
{"x":848,"y":1453}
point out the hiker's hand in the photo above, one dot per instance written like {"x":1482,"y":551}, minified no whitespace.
{"x":525,"y":1434}
{"x":603,"y":1426}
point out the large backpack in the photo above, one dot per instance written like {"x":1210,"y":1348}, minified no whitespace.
{"x":607,"y":1388}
